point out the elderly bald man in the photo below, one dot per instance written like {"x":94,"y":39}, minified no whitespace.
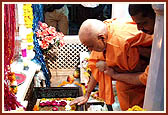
{"x":114,"y":44}
{"x":92,"y":34}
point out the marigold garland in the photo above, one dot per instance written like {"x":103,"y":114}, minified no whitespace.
{"x":29,"y":37}
{"x":28,"y":15}
{"x":95,"y":95}
{"x":136,"y":108}
{"x":28,"y":22}
{"x":84,"y":65}
{"x":13,"y":84}
{"x":36,"y":108}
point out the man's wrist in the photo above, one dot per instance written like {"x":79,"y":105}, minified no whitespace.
{"x":115,"y":75}
{"x":87,"y":95}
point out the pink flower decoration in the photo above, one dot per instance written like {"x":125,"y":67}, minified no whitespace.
{"x":43,"y":25}
{"x":62,"y":42}
{"x":48,"y":103}
{"x":54,"y":34}
{"x":61,"y":35}
{"x":48,"y":36}
{"x":44,"y":46}
{"x":54,"y":103}
{"x":44,"y":41}
{"x":58,"y":104}
{"x":54,"y":108}
{"x":51,"y":30}
{"x":63,"y":103}
{"x":49,"y":39}
{"x":42,"y":104}
{"x":45,"y":33}
{"x":39,"y":33}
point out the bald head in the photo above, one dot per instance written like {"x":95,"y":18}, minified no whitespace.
{"x":91,"y":28}
{"x":90,"y":32}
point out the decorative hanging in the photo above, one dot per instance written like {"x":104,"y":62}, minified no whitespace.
{"x":38,"y":16}
{"x":10,"y":86}
{"x":9,"y":35}
{"x":48,"y":36}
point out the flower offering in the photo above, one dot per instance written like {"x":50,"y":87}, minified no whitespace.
{"x":55,"y":104}
{"x":48,"y":36}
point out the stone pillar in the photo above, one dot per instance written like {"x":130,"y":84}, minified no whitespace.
{"x":120,"y":10}
{"x":154,"y":95}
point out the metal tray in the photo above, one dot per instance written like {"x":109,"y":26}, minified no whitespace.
{"x":54,"y":92}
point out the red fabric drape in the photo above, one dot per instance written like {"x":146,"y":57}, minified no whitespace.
{"x":9,"y":34}
{"x":10,"y":101}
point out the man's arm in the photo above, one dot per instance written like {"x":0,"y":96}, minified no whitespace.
{"x":83,"y":99}
{"x":130,"y":78}
{"x":91,"y":85}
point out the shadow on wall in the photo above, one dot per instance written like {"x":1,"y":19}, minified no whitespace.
{"x":79,"y":13}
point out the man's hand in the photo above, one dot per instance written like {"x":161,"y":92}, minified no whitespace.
{"x":79,"y":100}
{"x":101,"y":65}
{"x":109,"y":71}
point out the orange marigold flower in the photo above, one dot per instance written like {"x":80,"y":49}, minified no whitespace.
{"x":36,"y":108}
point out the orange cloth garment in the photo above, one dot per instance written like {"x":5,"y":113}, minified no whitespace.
{"x":105,"y":81}
{"x":121,"y":51}
{"x":144,"y":76}
{"x":130,"y":95}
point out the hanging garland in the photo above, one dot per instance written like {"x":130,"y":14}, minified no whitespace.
{"x":10,"y":101}
{"x":9,"y":35}
{"x":28,"y":15}
{"x":38,"y":16}
{"x":27,"y":41}
{"x":136,"y":108}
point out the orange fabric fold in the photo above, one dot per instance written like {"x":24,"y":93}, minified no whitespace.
{"x":121,"y":51}
{"x":123,"y":37}
{"x":144,"y":76}
{"x":105,"y":85}
{"x":130,"y":95}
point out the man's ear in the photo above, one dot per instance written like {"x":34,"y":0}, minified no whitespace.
{"x":102,"y":37}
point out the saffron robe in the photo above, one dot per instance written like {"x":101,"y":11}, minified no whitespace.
{"x":121,"y":52}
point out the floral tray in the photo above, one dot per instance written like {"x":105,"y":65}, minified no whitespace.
{"x":54,"y":92}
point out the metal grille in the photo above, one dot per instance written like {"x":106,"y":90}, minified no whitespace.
{"x":66,"y":57}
